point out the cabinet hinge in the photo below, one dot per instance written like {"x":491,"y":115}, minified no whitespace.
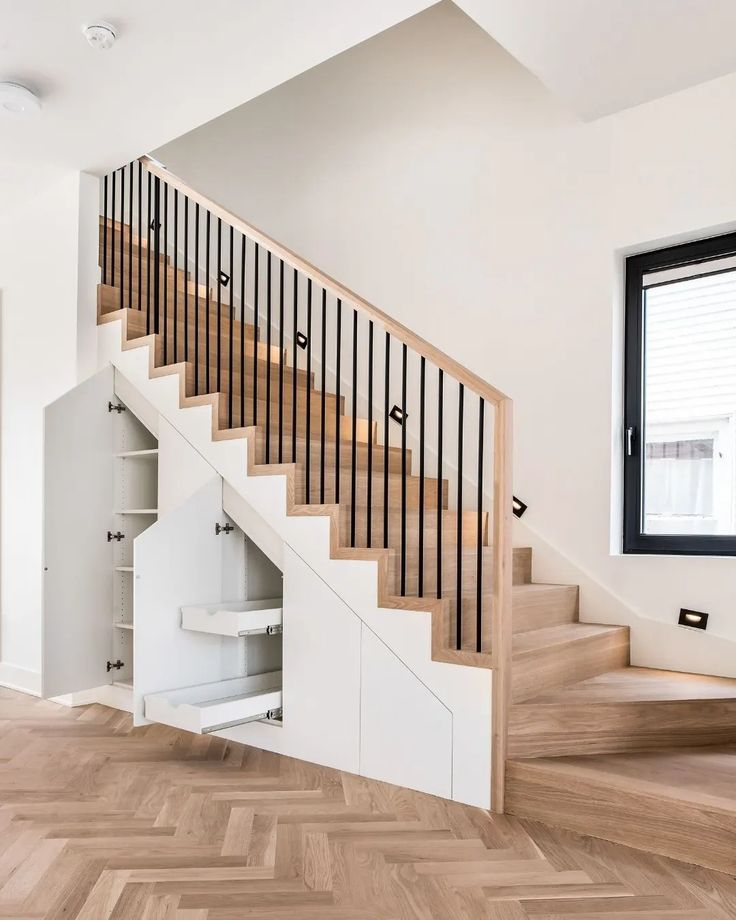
{"x":115,"y":407}
{"x":115,"y":665}
{"x":115,"y":536}
{"x":223,"y":528}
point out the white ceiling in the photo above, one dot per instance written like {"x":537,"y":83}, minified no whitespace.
{"x":601,"y":56}
{"x":176,"y":64}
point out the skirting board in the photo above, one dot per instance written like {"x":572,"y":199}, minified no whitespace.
{"x":22,"y":679}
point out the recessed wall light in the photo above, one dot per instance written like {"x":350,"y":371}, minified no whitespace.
{"x":18,"y":101}
{"x":100,"y":35}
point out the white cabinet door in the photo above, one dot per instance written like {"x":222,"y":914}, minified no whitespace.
{"x":78,"y":559}
{"x":179,"y":562}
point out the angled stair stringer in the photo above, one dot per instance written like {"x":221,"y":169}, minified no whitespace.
{"x":446,"y":695}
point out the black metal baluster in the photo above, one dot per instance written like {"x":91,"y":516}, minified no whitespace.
{"x":166,"y":271}
{"x":479,"y":532}
{"x":242,"y":331}
{"x":403,"y":468}
{"x":459,"y":540}
{"x":230,"y":343}
{"x":295,"y":331}
{"x":308,"y":450}
{"x":323,"y":418}
{"x":268,"y":353}
{"x":148,"y":255}
{"x":156,"y":259}
{"x":218,"y":374}
{"x":354,"y":431}
{"x":440,"y":416}
{"x":140,"y":233}
{"x":256,"y":294}
{"x":122,"y":237}
{"x":176,"y":275}
{"x":369,"y":473}
{"x":281,"y":360}
{"x":196,"y":298}
{"x":207,"y":302}
{"x":186,"y":277}
{"x":104,"y":231}
{"x":112,"y":232}
{"x":130,"y":235}
{"x":338,"y":418}
{"x":386,"y":437}
{"x":420,"y":559}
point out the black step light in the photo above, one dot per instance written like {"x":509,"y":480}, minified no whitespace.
{"x":518,"y":506}
{"x":693,"y":618}
{"x":398,"y":415}
{"x":224,"y":278}
{"x":301,"y":340}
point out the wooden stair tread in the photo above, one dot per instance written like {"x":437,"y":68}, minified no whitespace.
{"x":540,"y":639}
{"x":644,"y":685}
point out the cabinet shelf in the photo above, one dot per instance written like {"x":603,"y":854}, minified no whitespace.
{"x":152,"y":511}
{"x":127,"y":454}
{"x":214,"y":707}
{"x":123,"y":626}
{"x":123,"y":568}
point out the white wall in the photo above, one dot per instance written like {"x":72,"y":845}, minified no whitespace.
{"x":46,"y":346}
{"x":429,"y":171}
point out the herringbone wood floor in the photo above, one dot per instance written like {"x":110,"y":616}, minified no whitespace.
{"x":99,"y":821}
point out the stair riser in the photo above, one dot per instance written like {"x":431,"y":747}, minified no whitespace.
{"x":361,"y":497}
{"x":363,"y":432}
{"x":589,"y":805}
{"x":449,"y":525}
{"x":552,"y":607}
{"x":547,"y":669}
{"x":556,"y":730}
{"x":361,"y":458}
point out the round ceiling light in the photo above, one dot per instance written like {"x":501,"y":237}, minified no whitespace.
{"x":100,"y":35}
{"x":18,"y":101}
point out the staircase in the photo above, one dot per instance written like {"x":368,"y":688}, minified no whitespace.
{"x":408,"y":456}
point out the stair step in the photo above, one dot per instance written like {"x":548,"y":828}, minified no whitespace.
{"x":536,"y":606}
{"x":630,"y":709}
{"x":552,"y":658}
{"x":678,"y":803}
{"x":240,"y":618}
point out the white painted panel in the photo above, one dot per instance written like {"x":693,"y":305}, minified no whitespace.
{"x":136,"y":402}
{"x":406,"y":732}
{"x":182,"y":470}
{"x":178,"y":562}
{"x":78,"y":560}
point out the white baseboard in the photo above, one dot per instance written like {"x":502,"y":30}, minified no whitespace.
{"x":108,"y":695}
{"x":22,"y":679}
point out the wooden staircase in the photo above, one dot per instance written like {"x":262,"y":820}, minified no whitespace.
{"x":642,"y":757}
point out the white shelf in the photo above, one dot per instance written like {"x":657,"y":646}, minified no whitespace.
{"x":241,"y":618}
{"x":213,"y":707}
{"x":137,"y":511}
{"x":126,"y":454}
{"x":123,"y":626}
{"x":123,"y":568}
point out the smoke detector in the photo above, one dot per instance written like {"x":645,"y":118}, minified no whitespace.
{"x":18,"y":101}
{"x":100,"y":35}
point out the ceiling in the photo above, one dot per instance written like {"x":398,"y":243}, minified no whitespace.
{"x":176,"y":64}
{"x":601,"y":56}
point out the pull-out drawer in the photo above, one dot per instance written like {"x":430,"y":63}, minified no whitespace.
{"x":212,"y":707}
{"x":241,"y":618}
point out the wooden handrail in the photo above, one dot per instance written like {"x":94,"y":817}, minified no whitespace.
{"x":456,"y":370}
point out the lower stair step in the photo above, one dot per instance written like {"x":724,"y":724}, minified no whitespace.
{"x":213,"y":707}
{"x":678,"y":803}
{"x":241,"y":618}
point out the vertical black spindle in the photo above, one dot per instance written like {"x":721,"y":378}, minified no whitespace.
{"x":196,"y":298}
{"x":420,"y":558}
{"x":242,"y":331}
{"x":230,"y":342}
{"x":479,"y":533}
{"x":440,"y":417}
{"x":403,"y":468}
{"x":256,"y":294}
{"x":324,"y":398}
{"x":156,"y":259}
{"x":166,"y":271}
{"x":122,"y":237}
{"x":112,"y":232}
{"x":294,"y":331}
{"x":281,"y":360}
{"x":140,"y":233}
{"x":369,"y":471}
{"x":104,"y":231}
{"x":308,"y":450}
{"x":354,"y":430}
{"x":459,"y":535}
{"x":176,"y":274}
{"x":269,"y":259}
{"x":130,"y":235}
{"x":386,"y":437}
{"x":148,"y":254}
{"x":218,"y":375}
{"x":338,"y":418}
{"x":207,"y":301}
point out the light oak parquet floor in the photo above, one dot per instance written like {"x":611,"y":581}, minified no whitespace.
{"x":102,"y":822}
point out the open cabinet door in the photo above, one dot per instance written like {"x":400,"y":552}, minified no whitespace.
{"x":78,"y":497}
{"x":180,"y":560}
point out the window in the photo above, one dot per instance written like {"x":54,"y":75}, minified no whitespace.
{"x":680,"y":400}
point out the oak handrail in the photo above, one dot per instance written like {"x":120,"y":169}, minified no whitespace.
{"x":480,"y":386}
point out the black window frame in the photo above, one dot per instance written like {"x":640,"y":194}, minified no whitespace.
{"x":637,"y":266}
